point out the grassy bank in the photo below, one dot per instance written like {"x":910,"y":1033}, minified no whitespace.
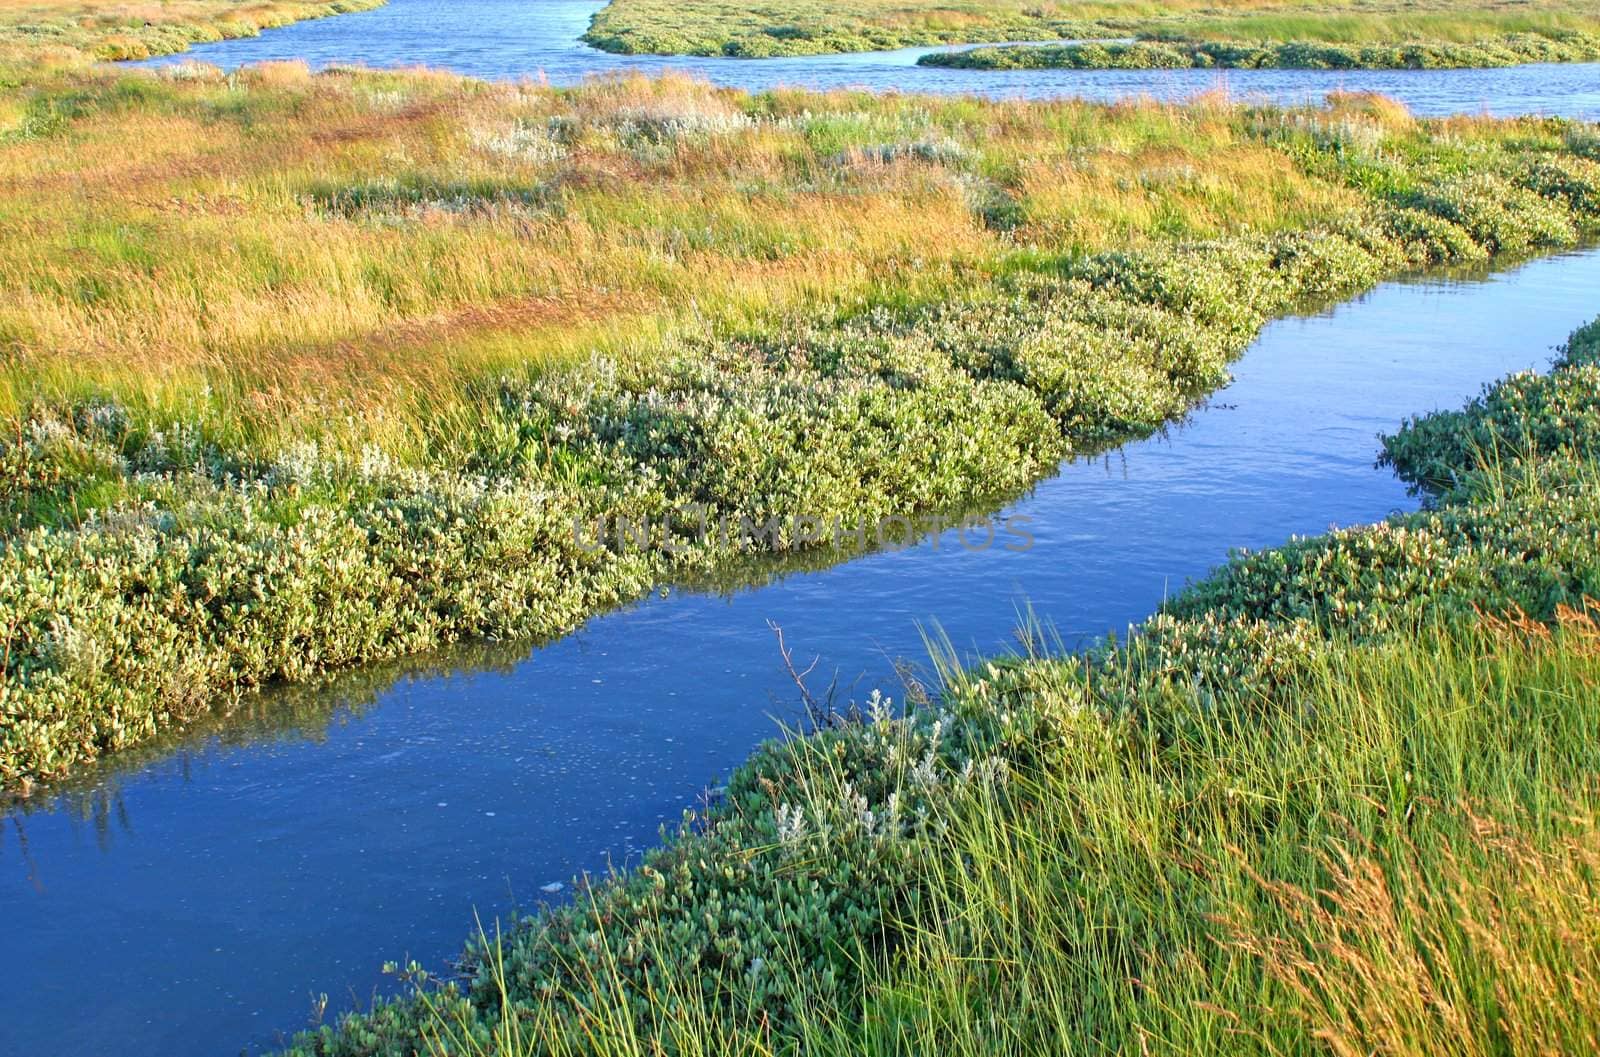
{"x":1300,"y":54}
{"x":1447,"y":32}
{"x":337,"y":368}
{"x":1340,"y":797}
{"x":70,"y":32}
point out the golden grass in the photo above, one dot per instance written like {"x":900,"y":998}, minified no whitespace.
{"x":1490,"y":946}
{"x":358,"y":247}
{"x":376,"y":238}
{"x":70,"y":31}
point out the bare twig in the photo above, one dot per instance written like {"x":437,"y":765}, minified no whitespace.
{"x":820,"y":713}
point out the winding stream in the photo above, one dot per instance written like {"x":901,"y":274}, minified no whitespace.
{"x":201,"y":897}
{"x":534,"y":38}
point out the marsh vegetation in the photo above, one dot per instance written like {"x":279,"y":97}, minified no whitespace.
{"x":1290,"y":32}
{"x":308,"y":371}
{"x":326,"y":368}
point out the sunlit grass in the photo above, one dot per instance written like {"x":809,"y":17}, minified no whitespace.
{"x":795,"y":27}
{"x":377,"y":238}
{"x":1327,"y":877}
{"x":381,"y":240}
{"x":68,"y":31}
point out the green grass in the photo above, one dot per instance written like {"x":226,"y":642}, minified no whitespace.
{"x":69,"y":32}
{"x":1413,"y":54}
{"x":1289,"y":32}
{"x":1341,"y":797}
{"x":326,"y":370}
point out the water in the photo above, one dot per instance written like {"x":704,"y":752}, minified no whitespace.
{"x":533,"y":38}
{"x":197,"y":899}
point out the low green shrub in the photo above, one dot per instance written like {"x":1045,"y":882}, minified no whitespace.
{"x":1526,"y":417}
{"x":1510,"y":50}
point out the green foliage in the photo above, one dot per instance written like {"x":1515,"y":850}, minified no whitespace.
{"x":1526,"y":417}
{"x":1534,"y":549}
{"x":1171,"y":54}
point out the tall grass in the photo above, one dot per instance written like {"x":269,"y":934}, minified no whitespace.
{"x":1231,"y":893}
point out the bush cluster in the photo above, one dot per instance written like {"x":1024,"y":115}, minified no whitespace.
{"x":1153,"y":54}
{"x":1525,"y":418}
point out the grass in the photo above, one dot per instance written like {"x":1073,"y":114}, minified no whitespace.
{"x":1408,"y":54}
{"x":1467,"y":32}
{"x":1340,"y":798}
{"x":329,"y":369}
{"x":66,"y":32}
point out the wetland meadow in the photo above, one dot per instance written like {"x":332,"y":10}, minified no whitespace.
{"x":1188,"y":495}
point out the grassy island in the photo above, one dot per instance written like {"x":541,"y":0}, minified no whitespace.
{"x":68,"y":31}
{"x":1381,"y":33}
{"x":1254,"y":55}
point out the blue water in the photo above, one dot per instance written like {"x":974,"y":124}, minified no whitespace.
{"x":539,"y":38}
{"x":201,"y":898}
